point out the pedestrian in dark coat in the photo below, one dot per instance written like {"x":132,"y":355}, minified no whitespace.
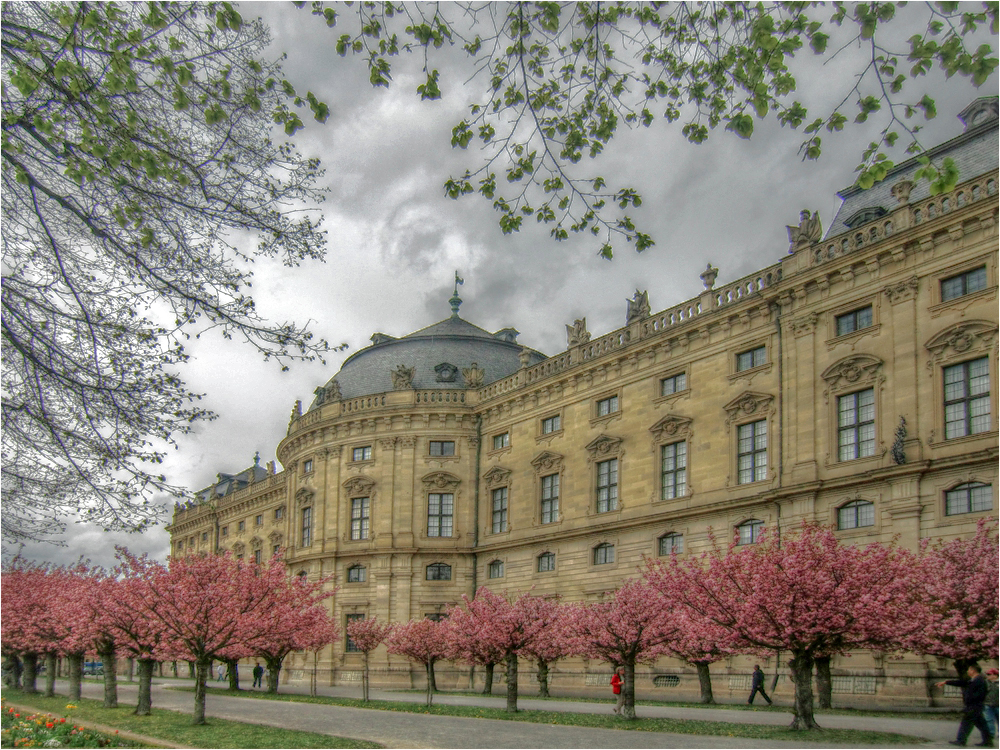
{"x":258,"y":675}
{"x":973,"y":697}
{"x":757,"y":685}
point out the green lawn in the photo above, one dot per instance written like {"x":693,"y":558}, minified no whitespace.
{"x":600,"y":721}
{"x":176,"y":727}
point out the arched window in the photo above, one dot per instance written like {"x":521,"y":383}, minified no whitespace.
{"x":357,"y":574}
{"x":749,"y":531}
{"x":968,"y":498}
{"x":438,"y":572}
{"x":604,"y":554}
{"x":546,"y":562}
{"x":671,"y":543}
{"x":855,"y":514}
{"x":496,"y":569}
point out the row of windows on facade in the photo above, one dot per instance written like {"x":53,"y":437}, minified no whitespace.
{"x":966,"y":498}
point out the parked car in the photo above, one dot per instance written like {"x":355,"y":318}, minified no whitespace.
{"x":93,"y":669}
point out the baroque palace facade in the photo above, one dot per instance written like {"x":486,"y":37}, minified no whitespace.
{"x":853,"y":383}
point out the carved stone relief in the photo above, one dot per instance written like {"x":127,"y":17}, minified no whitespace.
{"x":960,"y":340}
{"x":440,"y":480}
{"x":904,"y":290}
{"x":805,"y":325}
{"x":303,"y":496}
{"x":474,"y":376}
{"x":809,"y":231}
{"x":748,"y":404}
{"x":547,"y":462}
{"x":604,"y":447}
{"x":360,"y":486}
{"x":638,"y":307}
{"x":496,"y":477}
{"x":851,"y":372}
{"x":446,"y":373}
{"x":577,"y":333}
{"x":671,"y":428}
{"x":402,"y":377}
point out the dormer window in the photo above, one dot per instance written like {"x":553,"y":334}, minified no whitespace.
{"x":507,"y":334}
{"x":446,"y":373}
{"x":864,"y":216}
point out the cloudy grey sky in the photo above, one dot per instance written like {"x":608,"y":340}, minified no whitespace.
{"x":395,"y":240}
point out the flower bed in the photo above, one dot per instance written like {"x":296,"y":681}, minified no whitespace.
{"x":20,"y":729}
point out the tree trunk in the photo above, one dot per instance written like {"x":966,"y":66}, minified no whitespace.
{"x":824,"y":683}
{"x":110,"y":677}
{"x":145,"y":704}
{"x":12,"y":666}
{"x":130,"y":663}
{"x":159,"y":667}
{"x":364,"y":679}
{"x":51,"y":667}
{"x":191,"y":670}
{"x":430,"y":681}
{"x":30,"y":676}
{"x":628,"y":707}
{"x":488,"y":679}
{"x":75,"y":665}
{"x":203,"y":669}
{"x":705,"y":681}
{"x":273,"y":669}
{"x":234,"y":673}
{"x":802,"y":667}
{"x":173,"y":666}
{"x":512,"y":683}
{"x":433,"y":676}
{"x":543,"y":678}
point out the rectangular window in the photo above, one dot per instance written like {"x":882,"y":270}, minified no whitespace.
{"x":752,"y":452}
{"x":607,"y":406}
{"x":241,"y":526}
{"x":440,"y":510}
{"x":550,"y":498}
{"x":856,"y":514}
{"x":306,"y":527}
{"x":968,"y":498}
{"x":551,"y":424}
{"x":673,"y":384}
{"x":967,"y":398}
{"x":854,"y":320}
{"x":501,"y":441}
{"x":349,"y":645}
{"x":546,"y":562}
{"x":749,"y":532}
{"x":496,"y":569}
{"x":356,"y":574}
{"x":279,"y":513}
{"x":604,"y":554}
{"x":225,"y":531}
{"x":307,"y":465}
{"x":607,"y":485}
{"x":753,"y":358}
{"x":257,"y":554}
{"x":442,"y":447}
{"x":671,"y":543}
{"x":204,"y":536}
{"x":499,"y":510}
{"x":362,"y":453}
{"x":856,"y":425}
{"x":360,"y":517}
{"x":964,"y":283}
{"x":275,"y":549}
{"x":673,"y":470}
{"x":258,"y":520}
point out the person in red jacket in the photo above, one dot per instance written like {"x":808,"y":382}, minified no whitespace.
{"x":616,"y":688}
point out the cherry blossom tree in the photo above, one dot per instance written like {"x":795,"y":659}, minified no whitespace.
{"x":421,"y":641}
{"x":28,"y":626}
{"x":367,"y":635}
{"x":550,"y":646}
{"x":632,"y":626}
{"x":954,"y":592}
{"x":806,"y":594}
{"x":699,"y":643}
{"x":510,"y":626}
{"x":466,"y":645}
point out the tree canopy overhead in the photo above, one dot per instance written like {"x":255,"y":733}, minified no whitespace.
{"x":559,"y":80}
{"x":139,"y":181}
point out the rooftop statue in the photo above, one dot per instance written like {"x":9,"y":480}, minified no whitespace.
{"x":808,"y":232}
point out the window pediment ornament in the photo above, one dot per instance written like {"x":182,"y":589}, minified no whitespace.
{"x":360,"y":486}
{"x":497,"y":476}
{"x":274,"y":537}
{"x":440,"y":480}
{"x":303,"y":496}
{"x":239,"y":548}
{"x":256,"y":543}
{"x":749,"y":404}
{"x":604,"y":447}
{"x":547,"y":462}
{"x":902,"y":291}
{"x":671,"y":427}
{"x":856,"y":371}
{"x":970,"y":337}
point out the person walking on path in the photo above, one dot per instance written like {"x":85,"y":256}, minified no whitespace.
{"x":616,"y":688}
{"x":258,"y":675}
{"x":992,"y":702}
{"x":222,"y":673}
{"x":973,"y":696}
{"x":757,"y":685}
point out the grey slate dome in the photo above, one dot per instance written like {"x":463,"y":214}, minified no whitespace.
{"x":438,"y":355}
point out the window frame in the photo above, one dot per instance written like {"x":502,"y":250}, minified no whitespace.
{"x":967,"y":400}
{"x":607,"y":406}
{"x":607,"y":485}
{"x":349,"y":646}
{"x":361,"y":523}
{"x":857,"y":504}
{"x":553,"y":422}
{"x":241,"y":526}
{"x":441,"y":516}
{"x":553,"y":500}
{"x":680,"y":488}
{"x":676,"y":544}
{"x":603,"y":554}
{"x":493,"y":567}
{"x":308,"y":466}
{"x":756,"y":527}
{"x":305,"y":526}
{"x":550,"y":562}
{"x":504,"y":440}
{"x":441,"y":447}
{"x":499,"y":525}
{"x":754,"y":452}
{"x":279,"y":513}
{"x":673,"y":380}
{"x":366,"y":453}
{"x":752,"y":352}
{"x":967,"y":488}
{"x":854,"y":430}
{"x":359,"y":573}
{"x":853,"y":317}
{"x":440,"y":569}
{"x":964,"y":277}
{"x":258,"y":520}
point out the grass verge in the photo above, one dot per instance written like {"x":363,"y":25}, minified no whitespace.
{"x":175,"y":727}
{"x":599,"y":721}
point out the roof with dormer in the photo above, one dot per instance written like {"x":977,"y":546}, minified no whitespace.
{"x":438,"y":355}
{"x":974,"y":152}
